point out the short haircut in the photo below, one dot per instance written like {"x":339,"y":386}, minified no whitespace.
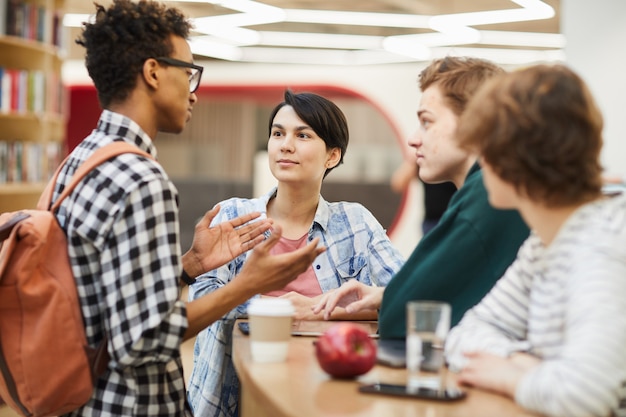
{"x":122,"y":38}
{"x":322,"y":115}
{"x":540,"y":130}
{"x":458,"y":78}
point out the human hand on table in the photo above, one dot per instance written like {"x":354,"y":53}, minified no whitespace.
{"x":495,"y":373}
{"x":303,"y":305}
{"x":353,"y":295}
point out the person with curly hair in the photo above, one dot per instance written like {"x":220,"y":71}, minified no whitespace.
{"x":122,"y":220}
{"x":551,"y":333}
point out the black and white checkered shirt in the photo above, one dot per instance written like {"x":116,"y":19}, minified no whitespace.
{"x":123,"y":236}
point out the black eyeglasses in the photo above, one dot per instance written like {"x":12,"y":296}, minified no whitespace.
{"x":196,"y":71}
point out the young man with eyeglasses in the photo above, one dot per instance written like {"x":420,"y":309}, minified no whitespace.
{"x":122,"y":219}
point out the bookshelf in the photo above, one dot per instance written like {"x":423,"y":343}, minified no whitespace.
{"x":32,"y":99}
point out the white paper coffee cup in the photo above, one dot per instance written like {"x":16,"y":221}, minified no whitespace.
{"x":270,"y":328}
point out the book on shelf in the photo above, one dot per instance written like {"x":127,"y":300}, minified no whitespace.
{"x":4,"y":161}
{"x":5,"y":90}
{"x":3,"y":18}
{"x":14,"y":162}
{"x":30,"y":20}
{"x":28,"y":162}
{"x":24,"y":91}
{"x":58,"y":33}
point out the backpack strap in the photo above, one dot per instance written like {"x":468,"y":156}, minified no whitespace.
{"x":99,"y":156}
{"x":7,"y":227}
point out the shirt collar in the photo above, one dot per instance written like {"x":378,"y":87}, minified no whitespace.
{"x":322,"y":213}
{"x":473,"y":170}
{"x":118,"y":125}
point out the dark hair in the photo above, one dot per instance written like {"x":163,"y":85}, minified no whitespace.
{"x":122,"y":38}
{"x":322,"y":115}
{"x":540,"y":130}
{"x":458,"y":78}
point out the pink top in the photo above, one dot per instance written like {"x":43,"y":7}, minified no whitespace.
{"x":306,"y":283}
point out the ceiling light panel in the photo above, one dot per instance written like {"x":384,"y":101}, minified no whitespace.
{"x":302,"y":35}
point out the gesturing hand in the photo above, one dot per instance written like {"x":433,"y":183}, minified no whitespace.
{"x":214,"y":246}
{"x":263,"y":272}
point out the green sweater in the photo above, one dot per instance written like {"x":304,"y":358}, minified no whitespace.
{"x":458,"y":261}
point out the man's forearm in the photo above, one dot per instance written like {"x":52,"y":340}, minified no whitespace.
{"x":209,"y":308}
{"x":191,"y":264}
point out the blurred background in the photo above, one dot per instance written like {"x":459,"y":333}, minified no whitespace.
{"x":366,"y":56}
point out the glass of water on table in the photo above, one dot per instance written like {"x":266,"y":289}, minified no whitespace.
{"x":428,"y":323}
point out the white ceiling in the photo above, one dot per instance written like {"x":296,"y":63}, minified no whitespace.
{"x":384,"y":31}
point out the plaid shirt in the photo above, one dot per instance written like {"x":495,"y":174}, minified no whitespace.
{"x":123,"y":238}
{"x":357,"y":248}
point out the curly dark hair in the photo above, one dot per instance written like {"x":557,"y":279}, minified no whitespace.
{"x":122,"y":38}
{"x":322,"y":115}
{"x":540,"y":130}
{"x":458,"y":78}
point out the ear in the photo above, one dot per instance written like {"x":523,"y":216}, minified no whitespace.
{"x":150,"y":73}
{"x":334,"y":156}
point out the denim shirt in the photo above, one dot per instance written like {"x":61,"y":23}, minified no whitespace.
{"x":357,"y":247}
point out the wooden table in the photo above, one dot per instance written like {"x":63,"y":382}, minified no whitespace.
{"x":300,"y":388}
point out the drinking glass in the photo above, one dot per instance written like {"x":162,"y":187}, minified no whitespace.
{"x":428,"y":323}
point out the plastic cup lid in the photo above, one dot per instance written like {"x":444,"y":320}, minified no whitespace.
{"x":271,"y":307}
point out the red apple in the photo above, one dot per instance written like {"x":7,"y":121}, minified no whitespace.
{"x":346,"y":350}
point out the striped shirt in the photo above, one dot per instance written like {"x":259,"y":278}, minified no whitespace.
{"x":566,"y":304}
{"x":123,"y":237}
{"x":357,"y":247}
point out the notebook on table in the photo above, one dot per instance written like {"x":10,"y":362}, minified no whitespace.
{"x":316,"y":328}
